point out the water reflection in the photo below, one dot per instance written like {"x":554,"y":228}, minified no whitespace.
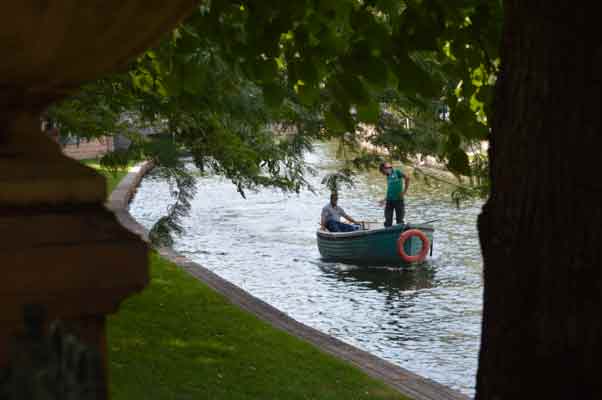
{"x":390,"y":281}
{"x":426,"y":318}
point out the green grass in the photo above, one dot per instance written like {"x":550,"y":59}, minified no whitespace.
{"x":180,"y":340}
{"x":112,"y":179}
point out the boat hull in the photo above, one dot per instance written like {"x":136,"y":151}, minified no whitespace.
{"x":376,"y":247}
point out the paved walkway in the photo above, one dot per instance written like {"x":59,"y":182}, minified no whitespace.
{"x":406,"y":382}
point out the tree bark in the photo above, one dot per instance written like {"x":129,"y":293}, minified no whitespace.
{"x":541,"y":229}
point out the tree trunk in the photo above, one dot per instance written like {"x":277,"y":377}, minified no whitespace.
{"x":541,"y":229}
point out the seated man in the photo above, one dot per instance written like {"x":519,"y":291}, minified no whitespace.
{"x":331,"y":216}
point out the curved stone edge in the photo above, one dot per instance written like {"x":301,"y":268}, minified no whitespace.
{"x":406,"y":382}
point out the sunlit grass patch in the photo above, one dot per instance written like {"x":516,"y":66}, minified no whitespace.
{"x":199,"y":346}
{"x":113,"y":179}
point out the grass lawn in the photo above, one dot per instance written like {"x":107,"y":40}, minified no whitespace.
{"x":179,"y":339}
{"x":112,"y":179}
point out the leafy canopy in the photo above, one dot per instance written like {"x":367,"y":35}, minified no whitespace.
{"x":222,"y":81}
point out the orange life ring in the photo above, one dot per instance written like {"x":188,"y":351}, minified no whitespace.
{"x":426,"y":244}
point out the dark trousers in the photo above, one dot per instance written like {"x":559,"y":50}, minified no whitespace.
{"x":336,"y":226}
{"x":400,"y":211}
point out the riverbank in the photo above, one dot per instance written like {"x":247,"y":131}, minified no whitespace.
{"x":180,"y":339}
{"x":351,"y":384}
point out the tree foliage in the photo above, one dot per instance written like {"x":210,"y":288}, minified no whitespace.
{"x":346,"y":54}
{"x":234,"y":70}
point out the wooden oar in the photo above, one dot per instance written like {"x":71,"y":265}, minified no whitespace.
{"x":429,"y":222}
{"x":421,"y":223}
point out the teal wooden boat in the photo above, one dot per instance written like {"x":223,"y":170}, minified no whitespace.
{"x":371,"y":246}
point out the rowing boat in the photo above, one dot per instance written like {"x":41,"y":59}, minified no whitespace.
{"x":375,"y":246}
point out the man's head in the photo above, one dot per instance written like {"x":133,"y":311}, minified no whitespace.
{"x":385,"y":168}
{"x":333,"y":199}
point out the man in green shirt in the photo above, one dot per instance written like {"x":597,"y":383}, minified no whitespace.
{"x":397,"y":186}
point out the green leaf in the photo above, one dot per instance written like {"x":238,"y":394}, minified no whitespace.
{"x":374,"y":70}
{"x":414,"y":80}
{"x":273,"y":94}
{"x":368,"y":112}
{"x":354,"y":89}
{"x":453,"y":141}
{"x":390,"y":7}
{"x":458,"y":162}
{"x":333,"y":122}
{"x":338,"y":119}
{"x":308,"y":72}
{"x":485,"y":96}
{"x":334,"y":43}
{"x":308,"y":94}
{"x":465,"y":121}
{"x":266,"y":70}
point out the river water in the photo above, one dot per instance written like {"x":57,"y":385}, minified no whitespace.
{"x":425,"y":318}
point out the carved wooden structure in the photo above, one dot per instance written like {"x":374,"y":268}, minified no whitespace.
{"x":59,"y":246}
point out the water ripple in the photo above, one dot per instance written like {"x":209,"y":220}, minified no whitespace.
{"x":426,"y":318}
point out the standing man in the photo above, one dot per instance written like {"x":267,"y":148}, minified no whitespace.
{"x":331,"y":217}
{"x":396,"y":190}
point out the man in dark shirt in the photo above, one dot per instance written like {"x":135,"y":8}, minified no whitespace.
{"x":331,"y":217}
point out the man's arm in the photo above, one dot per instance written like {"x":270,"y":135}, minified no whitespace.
{"x":348,"y":218}
{"x":406,"y":180}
